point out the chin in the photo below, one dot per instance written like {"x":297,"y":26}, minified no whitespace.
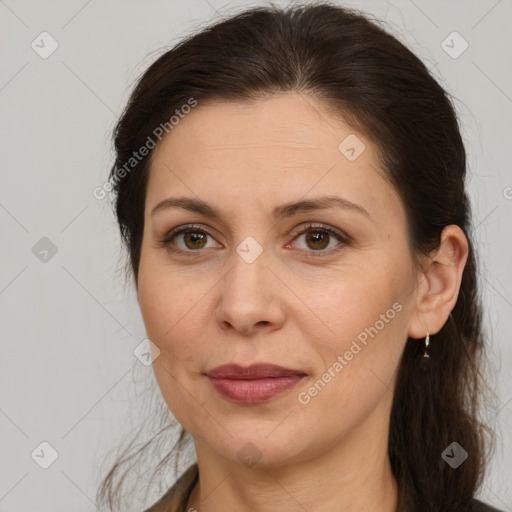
{"x":255,"y":448}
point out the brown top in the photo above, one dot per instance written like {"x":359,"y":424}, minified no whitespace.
{"x":176,"y":498}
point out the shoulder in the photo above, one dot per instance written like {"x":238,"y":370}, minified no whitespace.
{"x":478,"y":506}
{"x":175,"y":499}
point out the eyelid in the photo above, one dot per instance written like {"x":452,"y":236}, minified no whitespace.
{"x":167,"y":238}
{"x":183,"y":228}
{"x":341,"y":236}
{"x":320,"y":226}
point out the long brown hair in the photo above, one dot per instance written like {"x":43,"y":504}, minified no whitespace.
{"x":380,"y":88}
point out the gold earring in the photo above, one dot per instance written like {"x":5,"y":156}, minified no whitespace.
{"x":427,"y":341}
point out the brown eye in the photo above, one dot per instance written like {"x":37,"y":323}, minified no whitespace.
{"x":189,"y":239}
{"x":317,"y":240}
{"x":320,"y":240}
{"x":194,"y":239}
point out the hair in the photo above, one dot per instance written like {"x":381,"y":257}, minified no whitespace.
{"x":362,"y":73}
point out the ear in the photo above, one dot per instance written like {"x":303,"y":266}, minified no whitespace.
{"x":439,"y":283}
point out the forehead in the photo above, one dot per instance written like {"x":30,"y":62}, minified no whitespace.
{"x":267,"y":151}
{"x":287,"y":126}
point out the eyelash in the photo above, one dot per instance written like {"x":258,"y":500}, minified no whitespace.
{"x":341,"y":237}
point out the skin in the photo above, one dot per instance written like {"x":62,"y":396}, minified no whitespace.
{"x":286,"y":307}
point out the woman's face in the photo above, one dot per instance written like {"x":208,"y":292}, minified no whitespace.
{"x":257,"y":283}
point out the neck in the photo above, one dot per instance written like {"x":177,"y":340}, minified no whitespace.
{"x":352,"y":475}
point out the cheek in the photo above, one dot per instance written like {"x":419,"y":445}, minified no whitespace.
{"x":356,"y":300}
{"x":366,"y":312}
{"x":358,"y":362}
{"x":176,"y":308}
{"x":163,"y":309}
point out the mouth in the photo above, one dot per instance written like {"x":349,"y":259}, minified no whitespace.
{"x":253,"y":384}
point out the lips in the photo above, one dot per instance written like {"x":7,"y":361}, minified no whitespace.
{"x":255,"y":371}
{"x":253,"y":384}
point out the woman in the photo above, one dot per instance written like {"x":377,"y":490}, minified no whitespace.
{"x":290,"y":187}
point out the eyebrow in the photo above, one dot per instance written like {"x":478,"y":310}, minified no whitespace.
{"x":278,"y":213}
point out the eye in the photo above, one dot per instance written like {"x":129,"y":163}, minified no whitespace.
{"x":316,"y":239}
{"x":190,"y":239}
{"x":320,"y":239}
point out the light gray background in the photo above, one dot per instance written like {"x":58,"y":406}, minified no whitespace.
{"x":69,"y":325}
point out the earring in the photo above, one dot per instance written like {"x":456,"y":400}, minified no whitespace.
{"x":427,"y":341}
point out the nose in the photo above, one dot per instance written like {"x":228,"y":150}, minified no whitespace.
{"x":250,"y":298}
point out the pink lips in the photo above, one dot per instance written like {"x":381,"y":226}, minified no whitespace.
{"x":253,"y":384}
